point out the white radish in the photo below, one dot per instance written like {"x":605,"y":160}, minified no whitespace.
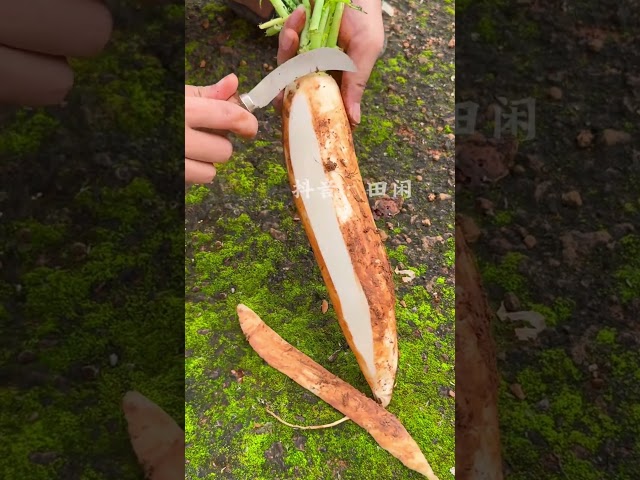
{"x":334,"y":209}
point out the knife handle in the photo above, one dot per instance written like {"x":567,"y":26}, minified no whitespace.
{"x":243,"y":100}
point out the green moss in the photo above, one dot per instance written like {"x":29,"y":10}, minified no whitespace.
{"x":196,"y":194}
{"x":27,"y":132}
{"x":606,"y":336}
{"x":506,"y":274}
{"x":628,"y":275}
{"x":503,"y":218}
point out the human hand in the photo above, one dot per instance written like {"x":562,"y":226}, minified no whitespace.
{"x":361,"y":37}
{"x":208,"y":118}
{"x":37,"y":36}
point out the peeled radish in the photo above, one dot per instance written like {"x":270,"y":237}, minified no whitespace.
{"x":334,"y":209}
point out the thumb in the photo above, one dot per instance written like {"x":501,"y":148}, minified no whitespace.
{"x":354,"y":83}
{"x":222,"y":90}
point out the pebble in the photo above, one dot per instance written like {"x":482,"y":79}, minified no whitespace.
{"x":512,"y":302}
{"x":584,"y":138}
{"x":612,"y":137}
{"x":444,"y":196}
{"x":530,"y":241}
{"x":26,"y":357}
{"x":517,"y":391}
{"x":555,"y":93}
{"x":113,"y":359}
{"x":572,"y":199}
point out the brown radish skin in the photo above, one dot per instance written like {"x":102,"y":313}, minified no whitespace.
{"x":156,"y":438}
{"x":318,"y":147}
{"x":383,"y":426}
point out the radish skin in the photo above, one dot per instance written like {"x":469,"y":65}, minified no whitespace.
{"x":383,"y":426}
{"x":337,"y":218}
{"x":156,"y":438}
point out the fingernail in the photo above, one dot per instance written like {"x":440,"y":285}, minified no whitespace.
{"x":355,"y":114}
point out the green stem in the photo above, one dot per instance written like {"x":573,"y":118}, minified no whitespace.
{"x":332,"y":40}
{"x":280,"y":8}
{"x":304,"y":36}
{"x":317,"y":40}
{"x":316,"y":16}
{"x":272,"y":23}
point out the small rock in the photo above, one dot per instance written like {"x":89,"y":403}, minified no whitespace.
{"x":426,"y":222}
{"x":419,"y":178}
{"x":43,"y":458}
{"x":383,"y":235}
{"x":90,"y":372}
{"x":519,"y":169}
{"x":403,"y":303}
{"x":470,"y":229}
{"x":444,"y":196}
{"x":530,"y":241}
{"x":203,"y":63}
{"x":205,"y":23}
{"x":113,"y":359}
{"x":596,"y":44}
{"x":431,"y":197}
{"x":484,"y":205}
{"x":555,"y":93}
{"x":512,"y":302}
{"x":612,"y":137}
{"x":572,"y":199}
{"x":517,"y":391}
{"x":543,"y":404}
{"x":325,"y":306}
{"x":278,"y":235}
{"x":226,"y":50}
{"x":584,"y":138}
{"x":26,"y":357}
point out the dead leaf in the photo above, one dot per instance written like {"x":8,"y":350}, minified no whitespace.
{"x":535,"y":319}
{"x":408,"y":275}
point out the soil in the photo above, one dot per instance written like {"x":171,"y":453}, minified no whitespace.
{"x":91,"y":281}
{"x":556,"y":219}
{"x":244,"y":244}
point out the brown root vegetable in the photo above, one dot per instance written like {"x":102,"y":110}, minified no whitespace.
{"x":334,"y":209}
{"x":477,"y":431}
{"x":383,"y":426}
{"x":156,"y":438}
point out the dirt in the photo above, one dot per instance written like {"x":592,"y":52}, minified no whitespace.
{"x":233,"y":256}
{"x":557,"y":234}
{"x":91,"y":278}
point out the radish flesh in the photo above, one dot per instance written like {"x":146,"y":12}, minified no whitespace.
{"x":332,"y":202}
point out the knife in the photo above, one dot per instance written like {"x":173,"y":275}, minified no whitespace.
{"x":318,"y":60}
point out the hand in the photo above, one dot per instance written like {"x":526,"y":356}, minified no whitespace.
{"x":37,"y":36}
{"x":208,"y":118}
{"x":361,"y":37}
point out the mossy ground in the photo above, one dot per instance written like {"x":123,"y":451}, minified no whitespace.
{"x":91,"y":258}
{"x":231,"y":258}
{"x":580,"y":415}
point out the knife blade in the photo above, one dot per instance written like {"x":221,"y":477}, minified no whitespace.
{"x":318,"y":60}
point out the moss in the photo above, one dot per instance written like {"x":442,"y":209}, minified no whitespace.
{"x":503,"y":218}
{"x":506,"y":274}
{"x":196,"y":194}
{"x":628,"y":275}
{"x":246,"y":265}
{"x":27,"y":132}
{"x":606,"y":336}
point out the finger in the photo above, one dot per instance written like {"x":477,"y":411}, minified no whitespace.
{"x":364,"y":55}
{"x":198,"y":172}
{"x":206,"y":147}
{"x":33,"y":79}
{"x":289,"y":37}
{"x":73,"y":28}
{"x":277,"y":102}
{"x":222,"y":90}
{"x":219,"y":115}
